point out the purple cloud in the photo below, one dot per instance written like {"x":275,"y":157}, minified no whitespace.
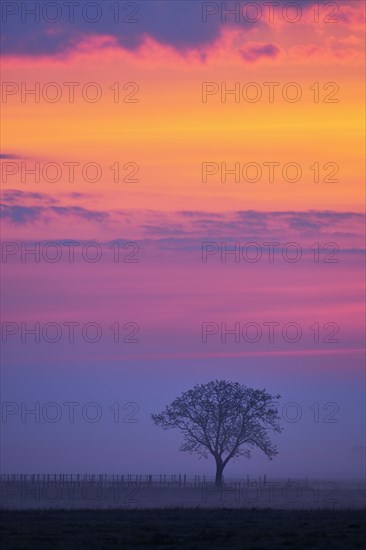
{"x":180,"y":24}
{"x":254,"y":53}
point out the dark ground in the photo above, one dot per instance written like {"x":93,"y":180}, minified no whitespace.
{"x":183,"y":528}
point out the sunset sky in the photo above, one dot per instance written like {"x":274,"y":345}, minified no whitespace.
{"x":139,"y":94}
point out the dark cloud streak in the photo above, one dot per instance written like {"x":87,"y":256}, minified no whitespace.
{"x":175,"y":23}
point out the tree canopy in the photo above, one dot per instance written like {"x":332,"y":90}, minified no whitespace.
{"x":224,"y":419}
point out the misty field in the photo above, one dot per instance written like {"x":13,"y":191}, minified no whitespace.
{"x":77,"y":512}
{"x":183,"y":528}
{"x":108,"y":492}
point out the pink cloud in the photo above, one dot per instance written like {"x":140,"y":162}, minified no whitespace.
{"x":332,"y":52}
{"x":353,"y":15}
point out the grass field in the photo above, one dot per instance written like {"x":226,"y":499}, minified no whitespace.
{"x":108,"y":493}
{"x":183,"y":528}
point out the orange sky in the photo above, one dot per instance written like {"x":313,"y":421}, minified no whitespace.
{"x":170,"y":132}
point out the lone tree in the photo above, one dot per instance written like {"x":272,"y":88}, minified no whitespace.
{"x":225,"y":419}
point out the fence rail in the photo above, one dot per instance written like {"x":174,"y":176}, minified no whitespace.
{"x":104,"y":479}
{"x":141,"y":480}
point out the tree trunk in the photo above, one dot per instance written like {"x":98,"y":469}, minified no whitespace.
{"x":219,"y":471}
